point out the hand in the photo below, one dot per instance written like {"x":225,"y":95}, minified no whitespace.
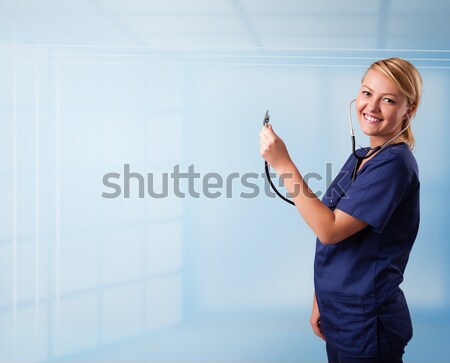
{"x":272,"y":148}
{"x":315,"y":320}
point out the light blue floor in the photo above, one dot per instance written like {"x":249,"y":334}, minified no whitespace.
{"x":267,"y":339}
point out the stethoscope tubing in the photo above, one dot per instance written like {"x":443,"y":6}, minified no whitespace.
{"x":371,"y":151}
{"x":266,"y":166}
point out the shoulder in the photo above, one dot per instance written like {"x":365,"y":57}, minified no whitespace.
{"x":402,"y":160}
{"x":395,"y":159}
{"x":393,"y":164}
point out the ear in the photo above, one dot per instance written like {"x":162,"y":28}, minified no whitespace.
{"x":410,"y":110}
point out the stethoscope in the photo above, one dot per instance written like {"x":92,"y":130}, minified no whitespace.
{"x":266,"y":166}
{"x":372,"y":150}
{"x":359,"y":158}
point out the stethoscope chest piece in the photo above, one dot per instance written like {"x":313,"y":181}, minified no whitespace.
{"x":266,"y":118}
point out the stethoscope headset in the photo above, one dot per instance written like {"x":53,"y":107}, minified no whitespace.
{"x":359,"y":158}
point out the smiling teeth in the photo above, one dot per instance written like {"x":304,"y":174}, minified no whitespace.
{"x":372,"y":119}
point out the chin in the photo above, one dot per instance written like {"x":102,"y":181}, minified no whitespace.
{"x":368,"y":131}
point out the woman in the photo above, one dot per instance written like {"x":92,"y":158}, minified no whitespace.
{"x":366,"y":223}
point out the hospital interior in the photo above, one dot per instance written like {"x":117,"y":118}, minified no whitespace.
{"x":92,"y":86}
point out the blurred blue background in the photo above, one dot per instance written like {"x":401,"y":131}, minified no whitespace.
{"x":89,"y":86}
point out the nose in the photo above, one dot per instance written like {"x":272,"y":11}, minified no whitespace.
{"x":373,"y":105}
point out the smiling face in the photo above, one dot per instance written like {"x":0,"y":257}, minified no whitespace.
{"x":380,"y":107}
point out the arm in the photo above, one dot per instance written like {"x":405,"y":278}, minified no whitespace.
{"x":329,"y":226}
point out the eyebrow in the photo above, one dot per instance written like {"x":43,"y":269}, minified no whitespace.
{"x":384,"y":94}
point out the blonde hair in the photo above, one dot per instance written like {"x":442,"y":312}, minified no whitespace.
{"x":408,"y":80}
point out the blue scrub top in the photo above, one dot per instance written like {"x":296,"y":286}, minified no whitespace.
{"x":357,"y":280}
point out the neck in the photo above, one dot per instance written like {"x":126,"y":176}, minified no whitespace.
{"x":380,"y":140}
{"x":377,"y":141}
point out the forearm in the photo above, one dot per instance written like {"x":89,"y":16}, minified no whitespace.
{"x":318,"y":216}
{"x":329,"y":226}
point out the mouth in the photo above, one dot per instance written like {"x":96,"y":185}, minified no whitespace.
{"x":372,"y":119}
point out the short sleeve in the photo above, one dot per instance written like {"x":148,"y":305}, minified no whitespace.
{"x":377,"y":191}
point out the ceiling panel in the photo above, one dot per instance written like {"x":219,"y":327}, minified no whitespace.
{"x":303,"y":7}
{"x":315,"y":25}
{"x":168,"y":7}
{"x":192,"y":25}
{"x":228,"y":23}
{"x":420,"y":7}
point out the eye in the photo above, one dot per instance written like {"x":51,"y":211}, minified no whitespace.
{"x":366,"y":93}
{"x":389,"y":100}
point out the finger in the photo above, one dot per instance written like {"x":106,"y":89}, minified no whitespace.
{"x":263,"y":151}
{"x":262,"y":135}
{"x":267,"y":130}
{"x":318,"y":330}
{"x":270,"y":129}
{"x":320,"y":335}
{"x":263,"y":142}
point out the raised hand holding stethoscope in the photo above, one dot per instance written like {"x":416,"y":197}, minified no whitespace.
{"x":270,"y":146}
